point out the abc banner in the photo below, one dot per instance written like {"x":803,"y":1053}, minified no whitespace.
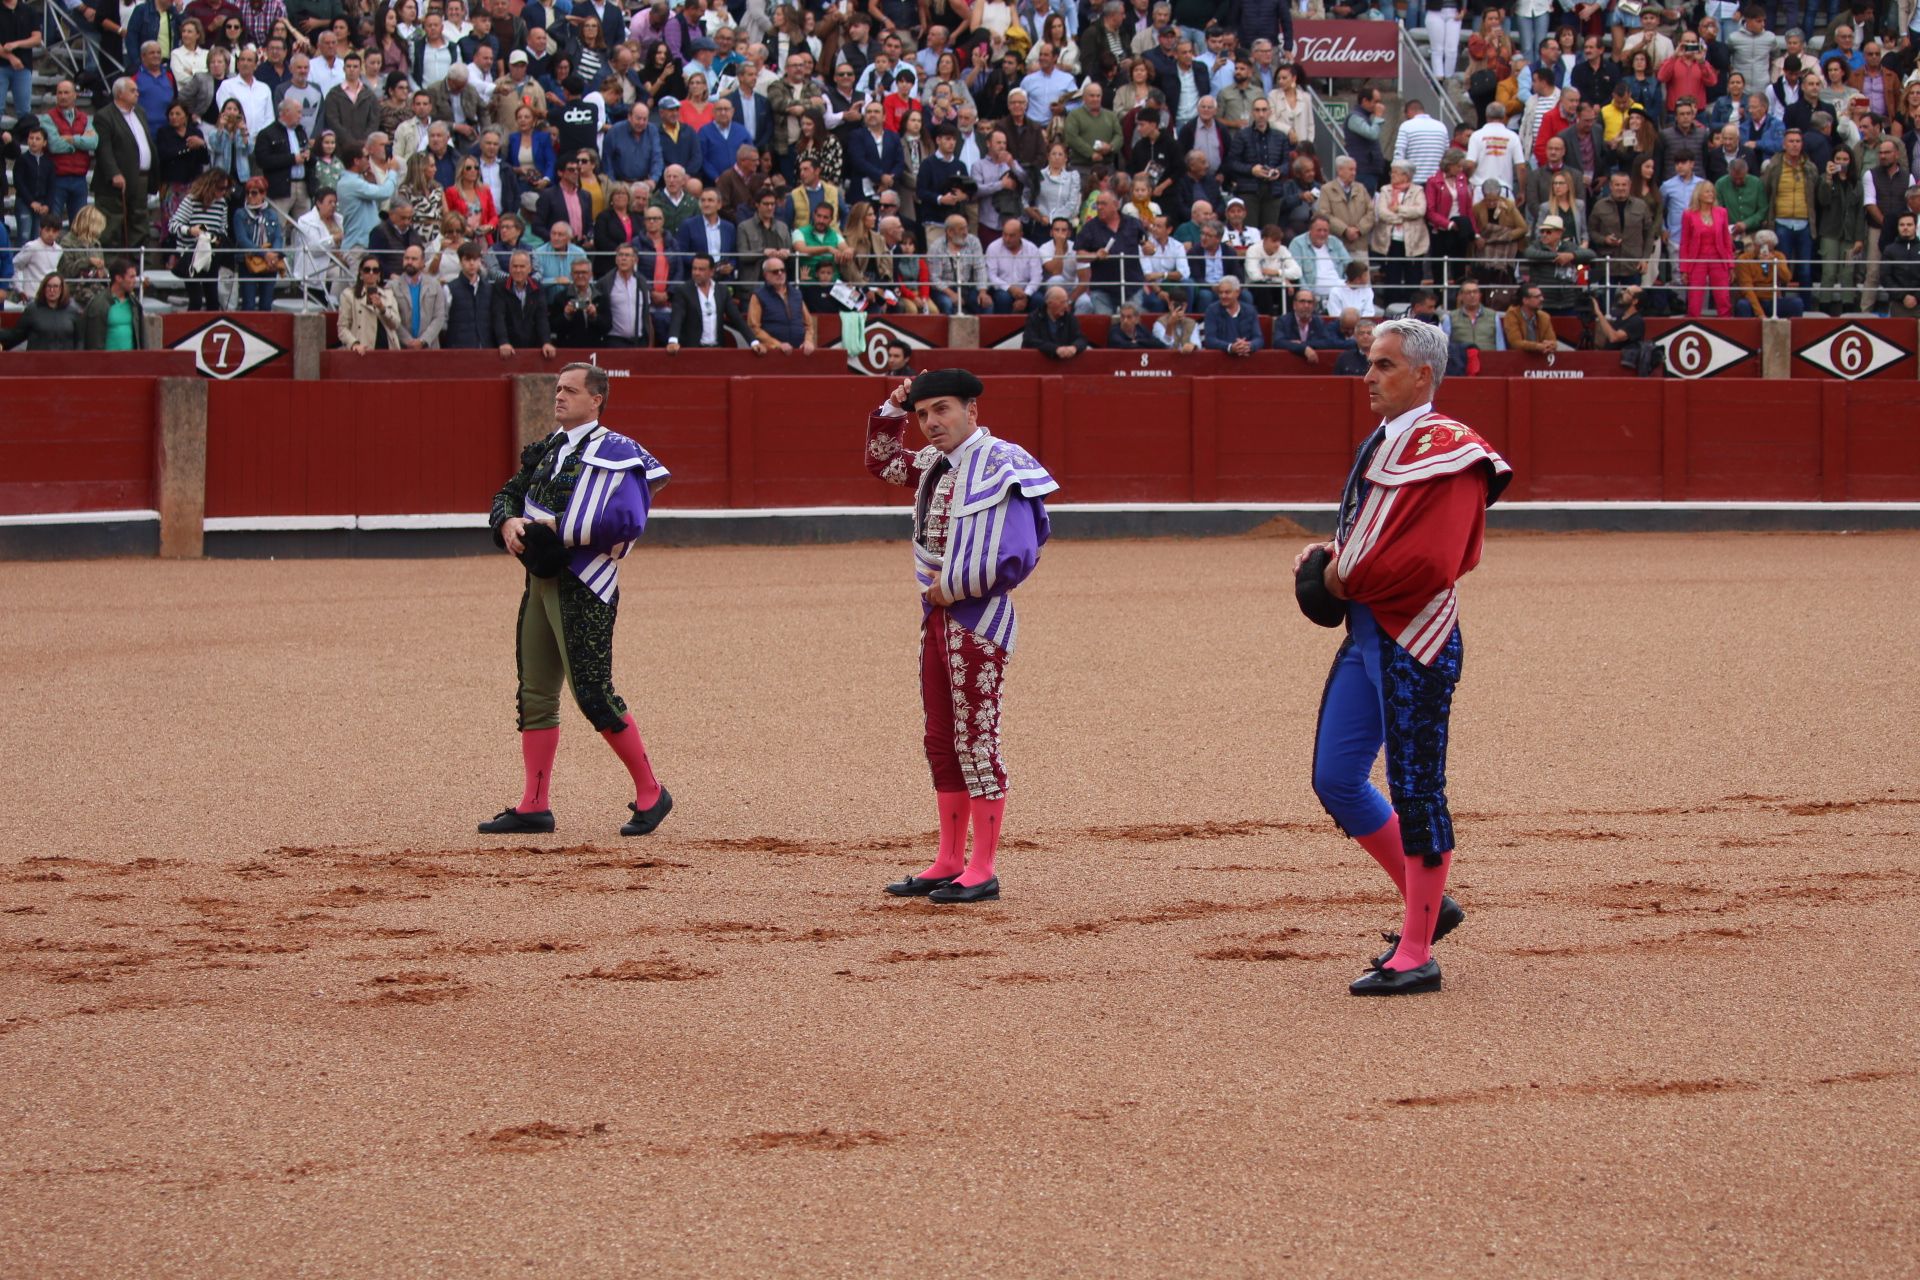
{"x":1336,"y":50}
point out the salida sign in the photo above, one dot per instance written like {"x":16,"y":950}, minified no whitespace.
{"x":1346,"y":49}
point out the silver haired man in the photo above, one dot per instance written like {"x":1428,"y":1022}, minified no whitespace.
{"x":1410,"y":526}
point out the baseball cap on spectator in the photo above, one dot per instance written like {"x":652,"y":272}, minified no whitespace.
{"x":1169,"y":32}
{"x":518,"y":55}
{"x":1236,"y":200}
{"x":669,"y":103}
{"x":703,"y":45}
{"x":1552,"y":222}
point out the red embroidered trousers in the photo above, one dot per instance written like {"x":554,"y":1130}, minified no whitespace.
{"x":960,"y":681}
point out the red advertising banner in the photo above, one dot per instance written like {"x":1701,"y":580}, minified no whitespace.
{"x":1346,"y":49}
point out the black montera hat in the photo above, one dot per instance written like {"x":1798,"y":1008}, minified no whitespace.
{"x":545,"y":555}
{"x":935,"y":383}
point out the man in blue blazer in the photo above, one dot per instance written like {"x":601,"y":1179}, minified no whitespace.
{"x":1231,"y":325}
{"x":709,"y":234}
{"x":1305,"y":332}
{"x":720,"y":142}
{"x":750,"y":111}
{"x":874,"y":158}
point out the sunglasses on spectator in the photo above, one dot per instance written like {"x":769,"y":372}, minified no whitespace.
{"x":773,"y":271}
{"x":369,"y":271}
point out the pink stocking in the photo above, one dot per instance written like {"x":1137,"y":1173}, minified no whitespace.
{"x":1425,"y":885}
{"x":953,"y":837}
{"x":1384,"y":845}
{"x":626,"y":744}
{"x":537,"y":748}
{"x":987,"y":815}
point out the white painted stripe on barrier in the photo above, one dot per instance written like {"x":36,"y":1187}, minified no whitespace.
{"x":275,"y":524}
{"x":478,"y":520}
{"x":457,"y":520}
{"x":82,"y":517}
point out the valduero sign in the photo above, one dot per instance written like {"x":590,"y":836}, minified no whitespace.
{"x":1343,"y":49}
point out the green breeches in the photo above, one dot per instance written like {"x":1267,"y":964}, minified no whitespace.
{"x":566,"y":636}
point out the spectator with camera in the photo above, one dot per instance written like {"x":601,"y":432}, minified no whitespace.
{"x":576,"y":316}
{"x":1623,"y":325}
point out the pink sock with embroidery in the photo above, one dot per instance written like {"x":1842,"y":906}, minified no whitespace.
{"x":632,"y":751}
{"x":952,"y":857}
{"x":987,"y":815}
{"x":1425,"y":885}
{"x":1384,"y":845}
{"x":537,"y":749}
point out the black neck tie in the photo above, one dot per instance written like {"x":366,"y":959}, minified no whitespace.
{"x":1350,"y":497}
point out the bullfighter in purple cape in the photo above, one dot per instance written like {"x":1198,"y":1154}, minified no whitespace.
{"x":571,"y":514}
{"x":978,"y":525}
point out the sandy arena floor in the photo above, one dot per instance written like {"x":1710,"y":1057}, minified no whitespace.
{"x":268,"y":1005}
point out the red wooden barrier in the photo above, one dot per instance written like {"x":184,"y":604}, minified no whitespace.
{"x":77,"y":452}
{"x":32,"y":365}
{"x":339,"y":448}
{"x":1870,"y":450}
{"x":1852,"y":349}
{"x":318,"y":448}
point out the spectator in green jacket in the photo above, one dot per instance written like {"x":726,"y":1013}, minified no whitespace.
{"x":1744,"y":199}
{"x":114,"y":319}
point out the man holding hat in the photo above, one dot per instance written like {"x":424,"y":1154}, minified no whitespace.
{"x":1410,"y":526}
{"x":575,"y":508}
{"x":978,"y":526}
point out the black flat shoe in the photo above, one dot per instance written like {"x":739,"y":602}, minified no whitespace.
{"x":511,"y":822}
{"x":918,"y":886}
{"x":988,"y":891}
{"x":645,"y":820}
{"x":1451,"y":918}
{"x":1395,"y":982}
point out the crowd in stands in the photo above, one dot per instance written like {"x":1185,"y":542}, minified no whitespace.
{"x":682,"y":173}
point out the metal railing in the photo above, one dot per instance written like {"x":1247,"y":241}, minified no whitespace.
{"x":67,"y":46}
{"x":314,"y":274}
{"x":1443,"y":104}
{"x":1327,"y":134}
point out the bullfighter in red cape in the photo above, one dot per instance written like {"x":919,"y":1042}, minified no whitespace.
{"x":1411,"y":522}
{"x":978,"y":525}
